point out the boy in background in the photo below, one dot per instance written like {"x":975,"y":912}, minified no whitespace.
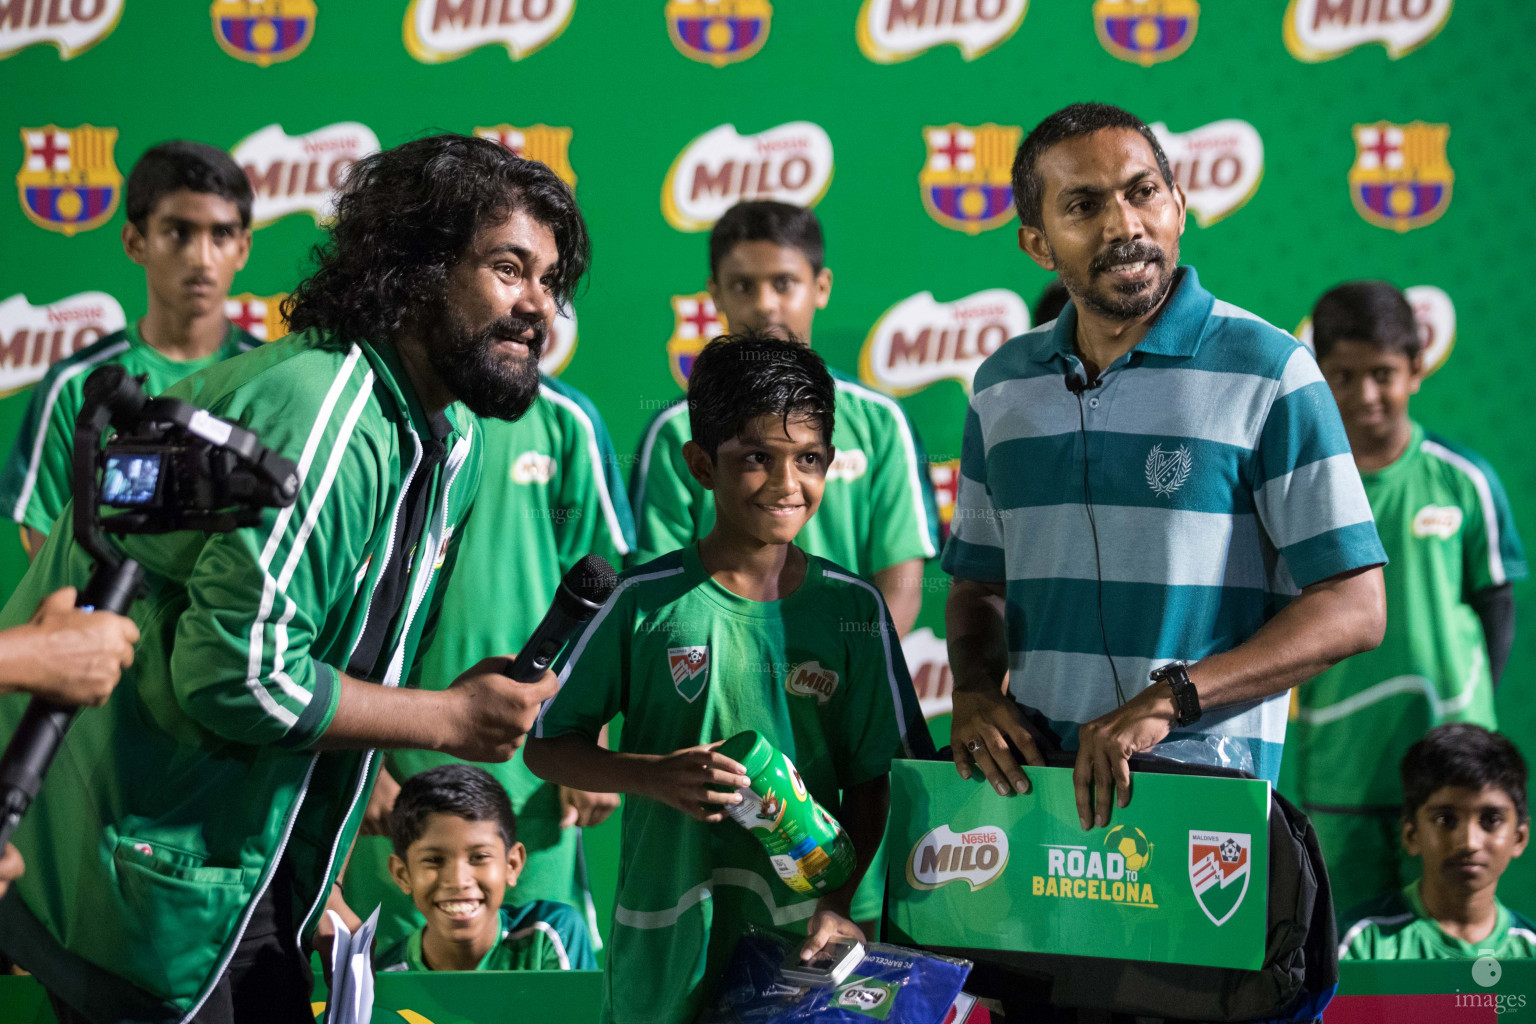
{"x":1450,"y":539}
{"x":766,"y":273}
{"x":708,"y":641}
{"x":1465,"y":817}
{"x":456,"y":855}
{"x":189,"y":227}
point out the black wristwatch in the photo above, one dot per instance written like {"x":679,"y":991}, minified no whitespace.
{"x":1185,"y":700}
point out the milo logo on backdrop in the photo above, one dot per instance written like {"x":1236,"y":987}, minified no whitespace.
{"x":1433,"y":313}
{"x":1217,"y":165}
{"x":976,"y":857}
{"x":895,"y":30}
{"x":300,"y":173}
{"x":791,"y":163}
{"x":920,"y":341}
{"x":72,"y":26}
{"x":1318,"y":30}
{"x":34,"y":337}
{"x":1113,"y":873}
{"x":444,"y":30}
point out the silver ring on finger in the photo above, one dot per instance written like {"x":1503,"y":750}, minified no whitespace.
{"x":973,"y":746}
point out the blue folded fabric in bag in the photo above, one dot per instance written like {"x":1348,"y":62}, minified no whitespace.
{"x":891,"y":984}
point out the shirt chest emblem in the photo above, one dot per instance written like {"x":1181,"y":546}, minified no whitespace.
{"x":809,"y":679}
{"x":533,"y":468}
{"x":1167,"y":469}
{"x":690,"y":670}
{"x":1441,"y":521}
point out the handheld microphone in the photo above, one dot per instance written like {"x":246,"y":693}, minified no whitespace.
{"x":581,"y":593}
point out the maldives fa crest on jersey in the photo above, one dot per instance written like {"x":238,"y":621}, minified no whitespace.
{"x":32,"y":338}
{"x":791,"y":163}
{"x":69,"y":180}
{"x":1146,"y":32}
{"x":443,"y":30}
{"x":1218,"y":166}
{"x":72,"y":27}
{"x":260,"y":316}
{"x":718,"y":32}
{"x":549,"y":146}
{"x":1168,"y":469}
{"x":690,"y":670}
{"x":896,"y":30}
{"x":1219,"y":871}
{"x":920,"y":341}
{"x":1319,"y":30}
{"x":695,"y":324}
{"x":264,"y":32}
{"x":1401,"y":178}
{"x":300,"y":173}
{"x":966,"y":178}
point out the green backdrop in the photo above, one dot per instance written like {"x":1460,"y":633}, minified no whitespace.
{"x":620,"y":76}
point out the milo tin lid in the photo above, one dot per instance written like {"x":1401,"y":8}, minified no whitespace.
{"x":750,"y":750}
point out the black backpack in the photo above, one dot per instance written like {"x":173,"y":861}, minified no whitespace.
{"x":1301,"y":957}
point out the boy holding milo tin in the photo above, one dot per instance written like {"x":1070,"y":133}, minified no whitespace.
{"x":739,"y":631}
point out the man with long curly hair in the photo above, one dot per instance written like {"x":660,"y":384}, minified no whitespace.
{"x":189,"y":835}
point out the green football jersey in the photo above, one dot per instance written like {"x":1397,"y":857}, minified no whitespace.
{"x":538,"y":936}
{"x":551,"y":493}
{"x":1397,"y":927}
{"x":686,"y":661}
{"x":1448,"y":531}
{"x":35,"y":484}
{"x":877,"y":510}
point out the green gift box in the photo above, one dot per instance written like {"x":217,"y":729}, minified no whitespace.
{"x":1179,"y":876}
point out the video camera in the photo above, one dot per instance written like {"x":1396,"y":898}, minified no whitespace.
{"x":170,"y":466}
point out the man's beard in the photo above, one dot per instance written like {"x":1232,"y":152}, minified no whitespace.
{"x":466,"y":362}
{"x":1119,"y":302}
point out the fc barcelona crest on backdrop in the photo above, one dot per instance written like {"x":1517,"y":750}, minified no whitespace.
{"x":1219,"y":871}
{"x":549,"y":146}
{"x":718,"y":32}
{"x":68,"y":180}
{"x":965,"y":179}
{"x":1401,"y":178}
{"x":1146,"y":32}
{"x":264,"y":32}
{"x":260,"y":316}
{"x":695,"y":324}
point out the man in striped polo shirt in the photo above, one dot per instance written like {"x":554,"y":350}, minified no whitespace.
{"x":1159,"y":487}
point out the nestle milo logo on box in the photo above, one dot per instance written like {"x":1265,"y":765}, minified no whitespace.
{"x":976,"y":857}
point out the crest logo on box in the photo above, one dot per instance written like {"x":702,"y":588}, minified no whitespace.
{"x":890,"y":31}
{"x":718,"y":32}
{"x":942,"y":856}
{"x":260,"y":316}
{"x":791,"y":163}
{"x":32,"y":338}
{"x":72,"y":26}
{"x":549,"y":146}
{"x":690,"y":670}
{"x":1218,"y":165}
{"x":966,"y":180}
{"x":69,"y":181}
{"x":1146,"y":32}
{"x":300,"y":173}
{"x":1401,"y":178}
{"x":920,"y":341}
{"x":695,"y":324}
{"x":1218,"y":861}
{"x":1319,"y":30}
{"x":444,"y":30}
{"x":263,"y":32}
{"x":1435,"y":315}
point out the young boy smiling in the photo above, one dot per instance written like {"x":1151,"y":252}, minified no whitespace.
{"x":708,"y":641}
{"x":456,"y":855}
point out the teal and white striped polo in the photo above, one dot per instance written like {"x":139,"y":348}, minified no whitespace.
{"x":1221,"y":482}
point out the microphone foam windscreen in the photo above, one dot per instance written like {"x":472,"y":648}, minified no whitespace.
{"x":592,"y":579}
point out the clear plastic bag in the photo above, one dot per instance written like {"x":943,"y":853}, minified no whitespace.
{"x":1220,"y":751}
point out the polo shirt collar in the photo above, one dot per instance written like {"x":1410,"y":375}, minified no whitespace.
{"x":1176,"y":332}
{"x":388,"y":368}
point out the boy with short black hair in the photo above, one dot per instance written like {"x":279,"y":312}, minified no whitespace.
{"x":1450,"y":539}
{"x":189,"y":227}
{"x":456,"y":855}
{"x":1465,"y":816}
{"x":712,"y":640}
{"x":767,"y":273}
